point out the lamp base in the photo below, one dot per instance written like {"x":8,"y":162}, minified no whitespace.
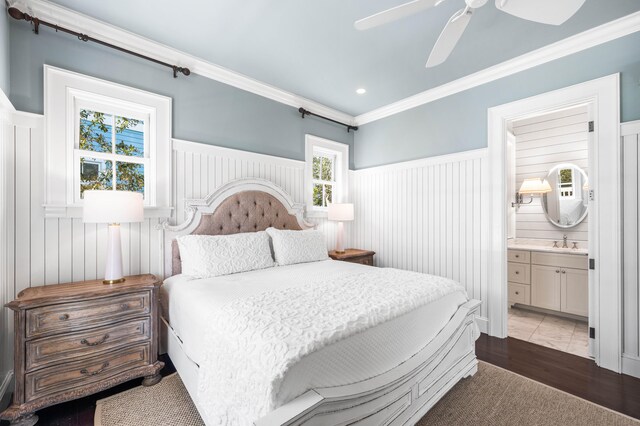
{"x":120,"y":280}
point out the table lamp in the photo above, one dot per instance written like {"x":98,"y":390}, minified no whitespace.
{"x":114,"y":208}
{"x":340,"y":212}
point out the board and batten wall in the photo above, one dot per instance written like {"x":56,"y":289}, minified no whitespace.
{"x":427,"y":216}
{"x":630,"y":133}
{"x":541,"y":143}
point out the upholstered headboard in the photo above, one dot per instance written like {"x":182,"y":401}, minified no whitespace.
{"x":244,"y":205}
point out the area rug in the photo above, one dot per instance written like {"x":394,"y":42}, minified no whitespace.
{"x":492,"y":397}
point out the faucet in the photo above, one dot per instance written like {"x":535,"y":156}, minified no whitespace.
{"x":564,"y":241}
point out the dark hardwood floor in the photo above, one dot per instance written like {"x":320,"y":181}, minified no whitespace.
{"x":570,"y":373}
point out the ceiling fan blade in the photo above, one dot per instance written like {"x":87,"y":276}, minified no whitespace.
{"x":395,"y":13}
{"x":449,"y":37}
{"x":552,"y":12}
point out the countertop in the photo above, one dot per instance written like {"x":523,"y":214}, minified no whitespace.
{"x":547,"y":246}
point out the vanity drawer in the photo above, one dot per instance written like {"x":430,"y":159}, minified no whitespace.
{"x":576,"y":261}
{"x":65,"y":347}
{"x":519,"y":293}
{"x":74,"y":375}
{"x":519,"y":273}
{"x":90,"y":313}
{"x":518,"y":256}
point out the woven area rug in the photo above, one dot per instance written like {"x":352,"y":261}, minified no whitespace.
{"x":492,"y":397}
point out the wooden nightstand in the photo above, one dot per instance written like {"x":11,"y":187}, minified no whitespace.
{"x":364,"y":257}
{"x":76,"y":339}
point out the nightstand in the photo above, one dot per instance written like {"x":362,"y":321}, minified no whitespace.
{"x":364,"y":257}
{"x":76,"y":339}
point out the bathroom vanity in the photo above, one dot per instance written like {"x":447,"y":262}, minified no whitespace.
{"x":547,"y":277}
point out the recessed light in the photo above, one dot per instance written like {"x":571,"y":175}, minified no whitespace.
{"x":361,"y":91}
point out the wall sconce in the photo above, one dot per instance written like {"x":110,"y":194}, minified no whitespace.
{"x":531,"y":187}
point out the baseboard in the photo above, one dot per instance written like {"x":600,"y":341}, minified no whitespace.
{"x":631,"y":365}
{"x":5,"y":388}
{"x":483,"y":324}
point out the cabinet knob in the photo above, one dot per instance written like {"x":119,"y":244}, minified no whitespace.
{"x":564,"y":272}
{"x":517,"y":256}
{"x":557,"y":271}
{"x":517,"y":292}
{"x":63,"y":317}
{"x":517,"y":272}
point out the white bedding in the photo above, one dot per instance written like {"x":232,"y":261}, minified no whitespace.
{"x":189,"y":304}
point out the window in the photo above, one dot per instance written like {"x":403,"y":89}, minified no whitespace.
{"x":102,"y":135}
{"x":110,"y":145}
{"x":326,"y":173}
{"x":323,"y":177}
{"x":565,"y":184}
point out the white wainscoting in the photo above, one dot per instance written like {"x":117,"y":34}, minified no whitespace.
{"x":543,"y":142}
{"x":630,"y":133}
{"x":199,"y":169}
{"x":426,"y":216}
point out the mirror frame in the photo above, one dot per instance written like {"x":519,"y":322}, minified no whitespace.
{"x":543,"y":202}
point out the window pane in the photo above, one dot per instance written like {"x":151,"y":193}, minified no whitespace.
{"x":129,"y":137}
{"x":316,"y":167}
{"x":130,"y":177}
{"x":95,"y":131}
{"x":95,"y":174}
{"x":327,"y":169}
{"x":317,"y":195}
{"x":328,"y":194}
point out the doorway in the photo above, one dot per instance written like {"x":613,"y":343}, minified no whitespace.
{"x":547,"y":229}
{"x":604,"y":261}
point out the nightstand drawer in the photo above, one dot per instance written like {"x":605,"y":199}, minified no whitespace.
{"x":364,"y":260}
{"x":50,"y":350}
{"x":68,"y":316}
{"x":70,"y":376}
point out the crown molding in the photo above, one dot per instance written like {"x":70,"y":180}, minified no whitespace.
{"x":82,"y":23}
{"x":599,"y":35}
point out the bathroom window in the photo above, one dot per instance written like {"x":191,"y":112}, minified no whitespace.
{"x":565,"y":184}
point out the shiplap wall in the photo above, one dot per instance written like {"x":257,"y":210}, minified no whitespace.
{"x":543,"y":142}
{"x":631,"y":247}
{"x":426,"y":216}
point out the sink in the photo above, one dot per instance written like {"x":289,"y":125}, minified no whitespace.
{"x":547,"y":246}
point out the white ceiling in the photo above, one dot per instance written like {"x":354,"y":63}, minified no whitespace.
{"x":312,"y":49}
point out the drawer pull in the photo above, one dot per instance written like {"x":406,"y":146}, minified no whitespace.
{"x":93,"y":373}
{"x":517,"y":272}
{"x":517,"y":256}
{"x":517,"y":292}
{"x":124,"y":306}
{"x":557,"y":271}
{"x":96,"y":343}
{"x":63,"y":317}
{"x":564,"y":272}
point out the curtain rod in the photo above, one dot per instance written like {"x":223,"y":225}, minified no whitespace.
{"x":307,"y":112}
{"x":17,"y":14}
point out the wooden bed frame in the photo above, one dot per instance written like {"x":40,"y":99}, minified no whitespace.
{"x":401,"y":396}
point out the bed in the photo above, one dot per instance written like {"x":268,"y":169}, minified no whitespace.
{"x":388,"y":372}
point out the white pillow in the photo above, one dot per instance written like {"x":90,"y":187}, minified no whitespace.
{"x":206,"y":256}
{"x":291,"y":247}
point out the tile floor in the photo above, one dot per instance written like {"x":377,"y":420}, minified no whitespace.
{"x":547,"y":330}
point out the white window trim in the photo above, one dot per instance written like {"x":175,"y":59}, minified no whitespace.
{"x":65,"y":93}
{"x":341,"y":172}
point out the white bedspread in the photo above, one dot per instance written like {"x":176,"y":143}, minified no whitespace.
{"x":252,"y":342}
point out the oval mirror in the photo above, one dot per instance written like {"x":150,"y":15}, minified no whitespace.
{"x":567,"y":203}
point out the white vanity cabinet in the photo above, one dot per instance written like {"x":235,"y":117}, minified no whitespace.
{"x":552,"y":281}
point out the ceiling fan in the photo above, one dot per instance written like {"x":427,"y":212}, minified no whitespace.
{"x":552,"y":12}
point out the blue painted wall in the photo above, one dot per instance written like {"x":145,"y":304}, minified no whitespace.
{"x":459,"y":122}
{"x":203,"y":110}
{"x":4,"y":52}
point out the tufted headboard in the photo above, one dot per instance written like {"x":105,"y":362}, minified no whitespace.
{"x":244,"y":205}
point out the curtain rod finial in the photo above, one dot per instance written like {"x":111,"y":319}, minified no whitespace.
{"x":16,"y":13}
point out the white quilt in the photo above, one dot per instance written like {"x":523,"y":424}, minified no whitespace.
{"x":254,"y":341}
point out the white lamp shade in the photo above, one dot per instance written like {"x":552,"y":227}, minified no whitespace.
{"x":532,"y":186}
{"x":112,"y":207}
{"x":341,"y":212}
